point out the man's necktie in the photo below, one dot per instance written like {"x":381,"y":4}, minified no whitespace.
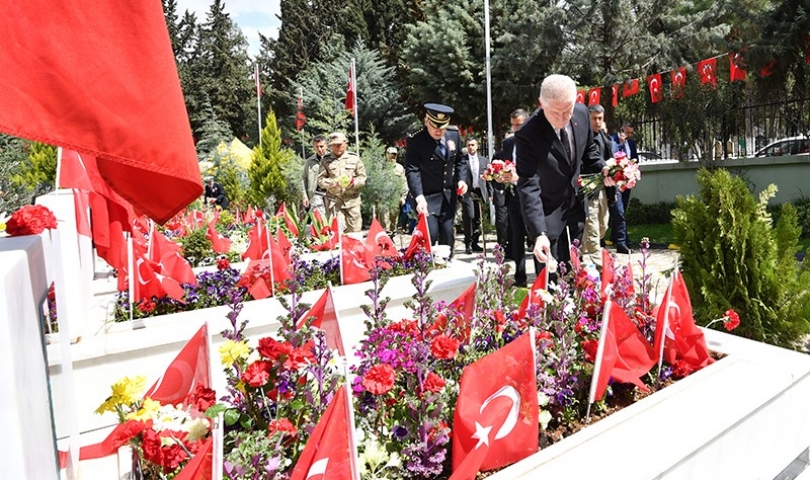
{"x":443,"y":149}
{"x":566,"y":144}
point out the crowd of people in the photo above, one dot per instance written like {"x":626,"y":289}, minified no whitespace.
{"x":535,"y":203}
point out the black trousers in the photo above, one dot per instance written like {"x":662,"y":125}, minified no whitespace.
{"x":441,"y":225}
{"x":501,"y":216}
{"x":471,"y":216}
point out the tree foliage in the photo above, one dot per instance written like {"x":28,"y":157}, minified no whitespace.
{"x":38,"y":172}
{"x":267,"y":184}
{"x":732,"y":257}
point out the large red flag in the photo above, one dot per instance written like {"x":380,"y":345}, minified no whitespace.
{"x":328,"y":453}
{"x":675,"y":326}
{"x":326,"y":319}
{"x":707,"y":69}
{"x":351,"y":90}
{"x":188,"y":370}
{"x":219,"y":243}
{"x":201,"y":466}
{"x":495,"y":423}
{"x":100,"y":94}
{"x":420,"y":239}
{"x":654,"y":84}
{"x":624,"y":353}
{"x":353,"y":256}
{"x":736,"y":67}
{"x":534,"y":295}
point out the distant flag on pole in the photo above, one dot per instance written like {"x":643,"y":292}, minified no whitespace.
{"x":258,"y":82}
{"x":351,"y":88}
{"x":300,"y":118}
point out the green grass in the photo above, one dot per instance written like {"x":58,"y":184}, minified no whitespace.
{"x":662,"y":234}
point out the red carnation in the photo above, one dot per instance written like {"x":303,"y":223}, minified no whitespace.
{"x":682,"y":369}
{"x":146,"y":306}
{"x":223,"y":264}
{"x":444,"y":347}
{"x":379,"y":379}
{"x":201,"y":399}
{"x":434,"y":383}
{"x":590,"y":347}
{"x":150,"y":444}
{"x":257,"y":374}
{"x":284,"y":427}
{"x":271,"y":349}
{"x":298,"y":357}
{"x":731,"y":320}
{"x":30,"y":220}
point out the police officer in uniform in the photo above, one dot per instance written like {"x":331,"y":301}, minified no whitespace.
{"x":342,"y":175}
{"x":435,"y":171}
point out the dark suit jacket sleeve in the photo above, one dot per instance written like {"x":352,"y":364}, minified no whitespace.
{"x":592,"y":160}
{"x":412,"y":162}
{"x":462,"y":167}
{"x":528,"y":159}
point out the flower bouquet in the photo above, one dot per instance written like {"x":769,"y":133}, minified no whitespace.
{"x":496,"y":170}
{"x":30,"y":220}
{"x":623,"y":170}
{"x":163,"y":437}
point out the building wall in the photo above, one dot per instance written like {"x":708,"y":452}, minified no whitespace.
{"x":664,"y":182}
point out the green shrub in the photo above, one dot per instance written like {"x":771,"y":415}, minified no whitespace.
{"x":732,"y":257}
{"x":802,"y":206}
{"x":649,"y":213}
{"x":197,"y":247}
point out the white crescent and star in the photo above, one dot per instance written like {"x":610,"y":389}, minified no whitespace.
{"x":482,"y":433}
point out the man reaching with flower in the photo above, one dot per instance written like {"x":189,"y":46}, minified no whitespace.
{"x":552,"y":147}
{"x":342,"y":175}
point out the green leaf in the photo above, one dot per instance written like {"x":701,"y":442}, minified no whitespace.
{"x":215,"y":410}
{"x":231,"y":417}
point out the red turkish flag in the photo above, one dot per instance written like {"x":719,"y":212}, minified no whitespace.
{"x":149,"y":280}
{"x":174,"y":266}
{"x":496,"y":419}
{"x":201,"y":466}
{"x":162,"y":245}
{"x":219,"y":243}
{"x":624,"y":353}
{"x":379,"y":244}
{"x":464,"y":307}
{"x":420,"y":239}
{"x":100,"y":94}
{"x":326,"y":319}
{"x":110,"y":221}
{"x":630,"y":88}
{"x":257,"y":242}
{"x":282,"y":210}
{"x":614,"y":90}
{"x":300,"y":118}
{"x":285,"y":245}
{"x":581,"y":95}
{"x":678,"y":77}
{"x":654,"y":84}
{"x":328,"y":453}
{"x":675,"y":326}
{"x":533,"y":297}
{"x":279,"y":264}
{"x":594,"y":96}
{"x":81,"y":206}
{"x":736,"y":67}
{"x":608,"y":271}
{"x":707,"y":69}
{"x":351,"y":90}
{"x":188,"y":370}
{"x":353,"y":255}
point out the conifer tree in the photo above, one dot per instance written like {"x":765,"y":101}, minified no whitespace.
{"x":38,"y":173}
{"x":212,"y":133}
{"x":267,"y":184}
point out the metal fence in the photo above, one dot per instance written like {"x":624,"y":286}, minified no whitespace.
{"x":738,"y":132}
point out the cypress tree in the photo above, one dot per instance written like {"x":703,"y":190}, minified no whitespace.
{"x":267,"y":184}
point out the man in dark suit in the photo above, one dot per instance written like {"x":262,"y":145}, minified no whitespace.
{"x":622,"y":142}
{"x":477,"y":196}
{"x":435,"y":172}
{"x":601,"y":200}
{"x":214,"y":193}
{"x":552,"y":147}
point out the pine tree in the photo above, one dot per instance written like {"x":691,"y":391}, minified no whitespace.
{"x":382,"y":184}
{"x":212,"y":133}
{"x":12,"y":161}
{"x":38,"y":173}
{"x":267,"y":184}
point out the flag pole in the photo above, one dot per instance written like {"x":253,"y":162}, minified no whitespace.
{"x":303,"y":144}
{"x":490,"y":147}
{"x":131,"y":267}
{"x":356,"y":122}
{"x":258,"y":100}
{"x":58,"y":168}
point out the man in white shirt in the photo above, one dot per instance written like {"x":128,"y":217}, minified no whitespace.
{"x":478,"y":195}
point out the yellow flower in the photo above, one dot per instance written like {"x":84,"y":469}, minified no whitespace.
{"x":231,"y":351}
{"x":124,"y":392}
{"x":147,"y":411}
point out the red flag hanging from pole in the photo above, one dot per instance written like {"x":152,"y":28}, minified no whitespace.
{"x":300,"y":118}
{"x":581,"y":94}
{"x":257,"y":80}
{"x":654,"y":84}
{"x":351,"y":89}
{"x":707,"y":70}
{"x":735,"y":66}
{"x":100,"y":94}
{"x":630,"y":88}
{"x":594,"y":96}
{"x":615,"y":91}
{"x":678,"y":76}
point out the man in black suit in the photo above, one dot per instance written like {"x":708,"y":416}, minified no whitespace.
{"x":622,"y":142}
{"x":552,"y":147}
{"x":599,"y":201}
{"x":435,"y":172}
{"x":477,"y":196}
{"x":214,"y":193}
